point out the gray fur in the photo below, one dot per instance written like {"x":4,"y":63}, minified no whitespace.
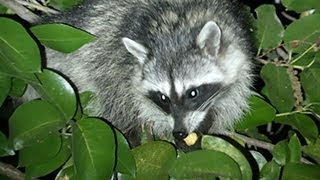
{"x":155,"y":45}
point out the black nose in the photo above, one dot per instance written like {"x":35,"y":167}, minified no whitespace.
{"x":179,"y":135}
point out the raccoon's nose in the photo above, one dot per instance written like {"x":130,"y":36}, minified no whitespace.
{"x":179,"y":135}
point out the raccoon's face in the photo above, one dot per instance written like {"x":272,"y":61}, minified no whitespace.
{"x":180,"y":88}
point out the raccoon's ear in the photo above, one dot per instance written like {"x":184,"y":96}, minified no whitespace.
{"x":136,"y":49}
{"x":209,"y":38}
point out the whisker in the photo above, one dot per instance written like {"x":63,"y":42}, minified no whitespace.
{"x":205,"y":104}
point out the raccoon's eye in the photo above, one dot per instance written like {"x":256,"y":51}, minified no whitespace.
{"x":193,"y":93}
{"x":164,"y":98}
{"x":161,"y":100}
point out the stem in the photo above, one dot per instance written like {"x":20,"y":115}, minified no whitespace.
{"x":304,"y":53}
{"x":264,"y":62}
{"x":21,"y":11}
{"x":37,"y":6}
{"x":250,"y":141}
{"x":257,"y":143}
{"x":267,"y":52}
{"x":299,"y":67}
{"x":311,"y":104}
{"x":11,"y":172}
{"x":303,"y":111}
{"x":287,"y":113}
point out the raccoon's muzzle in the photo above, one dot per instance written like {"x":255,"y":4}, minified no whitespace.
{"x":179,"y":131}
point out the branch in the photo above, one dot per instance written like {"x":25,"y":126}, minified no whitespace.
{"x":36,"y":5}
{"x":288,"y":16}
{"x":257,"y":143}
{"x":250,"y":141}
{"x":20,"y":10}
{"x":11,"y":172}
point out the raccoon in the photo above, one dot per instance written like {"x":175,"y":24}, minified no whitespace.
{"x":174,"y":66}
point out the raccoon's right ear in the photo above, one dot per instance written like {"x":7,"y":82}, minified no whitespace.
{"x":136,"y":49}
{"x":209,"y":38}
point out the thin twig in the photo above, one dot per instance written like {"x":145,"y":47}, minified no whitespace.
{"x":20,"y":10}
{"x":250,"y":141}
{"x":304,"y":53}
{"x":37,"y":6}
{"x":257,"y":143}
{"x":306,"y":161}
{"x":289,"y":17}
{"x":282,"y":53}
{"x":11,"y":172}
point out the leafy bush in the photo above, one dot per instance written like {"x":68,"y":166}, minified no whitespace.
{"x":54,"y":134}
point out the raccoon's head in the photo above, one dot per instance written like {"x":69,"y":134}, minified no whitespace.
{"x":187,"y":78}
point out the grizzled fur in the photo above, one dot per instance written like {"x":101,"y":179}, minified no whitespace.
{"x":151,"y":58}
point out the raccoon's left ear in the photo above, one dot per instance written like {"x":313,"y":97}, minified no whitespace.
{"x":136,"y":49}
{"x":209,"y":38}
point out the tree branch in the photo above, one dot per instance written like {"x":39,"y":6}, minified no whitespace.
{"x":20,"y":10}
{"x":257,"y":143}
{"x":38,"y":6}
{"x":11,"y":172}
{"x":250,"y":141}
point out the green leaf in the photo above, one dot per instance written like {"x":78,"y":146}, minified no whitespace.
{"x":278,"y":87}
{"x":63,"y":4}
{"x":303,"y":33}
{"x":18,"y":87}
{"x":5,"y":85}
{"x":295,"y":149}
{"x":152,"y":159}
{"x":85,"y":98}
{"x":313,"y":150}
{"x":315,"y":108}
{"x":269,"y":28}
{"x":260,"y":113}
{"x":292,"y":171}
{"x":204,"y":164}
{"x":33,"y":121}
{"x":58,"y":92}
{"x":270,"y":171}
{"x":125,"y":160}
{"x":219,"y":144}
{"x":18,"y":51}
{"x":304,"y":124}
{"x":280,"y":153}
{"x":67,"y":171}
{"x":83,"y":109}
{"x":311,"y":83}
{"x":260,"y":159}
{"x":93,"y":149}
{"x":301,"y":5}
{"x":62,"y":156}
{"x":44,"y":150}
{"x":125,"y":177}
{"x":4,"y":148}
{"x":61,"y":37}
{"x":304,"y":60}
{"x":3,"y":9}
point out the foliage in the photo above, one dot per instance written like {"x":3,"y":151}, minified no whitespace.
{"x":54,"y":133}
